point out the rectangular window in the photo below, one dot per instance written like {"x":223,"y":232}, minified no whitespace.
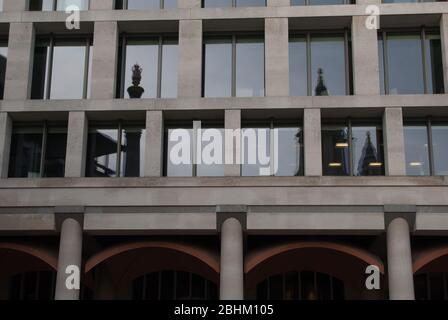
{"x":115,"y":150}
{"x":57,"y":5}
{"x":421,"y":50}
{"x":157,"y":60}
{"x":1,"y":5}
{"x":272,"y":148}
{"x":53,"y":77}
{"x":194,"y":148}
{"x":320,"y":2}
{"x":233,"y":3}
{"x":38,"y":151}
{"x":233,"y":66}
{"x":3,"y":60}
{"x":145,"y":4}
{"x":404,"y":1}
{"x":320,"y":64}
{"x":352,"y":148}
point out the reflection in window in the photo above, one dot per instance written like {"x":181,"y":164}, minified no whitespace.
{"x":157,"y":59}
{"x":1,"y":5}
{"x":53,"y":77}
{"x":302,"y":285}
{"x":59,"y":5}
{"x":233,"y":3}
{"x":37,"y":151}
{"x":145,"y":4}
{"x":398,"y":51}
{"x":439,"y":133}
{"x":115,"y":150}
{"x":319,"y":2}
{"x":319,"y":65}
{"x":173,"y":285}
{"x":272,"y":148}
{"x":3,"y":59}
{"x":233,"y":66}
{"x":404,"y":1}
{"x":181,"y":142}
{"x":352,"y":149}
{"x":431,"y":286}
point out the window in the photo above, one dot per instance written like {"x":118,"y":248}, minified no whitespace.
{"x":157,"y":59}
{"x":53,"y":77}
{"x":272,"y":148}
{"x":38,"y":151}
{"x":352,"y":148}
{"x":3,"y":59}
{"x":426,"y":147}
{"x":115,"y":150}
{"x":301,"y":285}
{"x":403,"y":1}
{"x":1,"y":5}
{"x":421,"y":50}
{"x":173,"y":285}
{"x":57,"y":5}
{"x":319,"y":2}
{"x":233,"y":3}
{"x":319,"y":64}
{"x":184,"y":157}
{"x":431,"y":286}
{"x":32,"y":286}
{"x":145,"y":4}
{"x":233,"y":66}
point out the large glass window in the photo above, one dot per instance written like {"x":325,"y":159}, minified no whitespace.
{"x":404,"y":1}
{"x":233,"y":66}
{"x":59,"y":5}
{"x":272,"y":148}
{"x":3,"y":59}
{"x":145,"y":4}
{"x":194,"y":148}
{"x":421,"y":50}
{"x":156,"y":57}
{"x":426,"y":147}
{"x":319,"y":64}
{"x":319,"y":2}
{"x":38,"y":151}
{"x":352,"y":148}
{"x":233,"y":3}
{"x":53,"y":76}
{"x":115,"y":150}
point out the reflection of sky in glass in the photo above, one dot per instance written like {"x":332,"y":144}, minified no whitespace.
{"x":249,"y":68}
{"x":62,"y":4}
{"x":177,"y":170}
{"x":1,"y":5}
{"x":218,"y":69}
{"x":416,"y":149}
{"x":250,"y":3}
{"x":381,"y":64}
{"x":253,"y":142}
{"x":169,"y":70}
{"x":217,"y":3}
{"x":324,"y":2}
{"x":440,"y":149}
{"x":143,"y":4}
{"x":297,"y":67}
{"x":212,"y":170}
{"x":434,"y":66}
{"x":288,"y":151}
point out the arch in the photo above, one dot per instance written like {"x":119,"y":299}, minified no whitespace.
{"x":259,"y":257}
{"x":198,"y":253}
{"x":428,"y":256}
{"x":45,"y":255}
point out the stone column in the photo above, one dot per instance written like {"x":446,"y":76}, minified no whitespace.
{"x":444,"y":40}
{"x":19,"y":63}
{"x":188,"y":4}
{"x":5,"y":143}
{"x":277,"y":56}
{"x":154,"y":144}
{"x":394,"y":153}
{"x":15,"y":5}
{"x":232,"y":142}
{"x":104,"y":61}
{"x":232,"y":267}
{"x":365,"y":58}
{"x":102,"y":4}
{"x":190,"y":59}
{"x":312,"y":142}
{"x":70,"y":254}
{"x":399,"y":260}
{"x":75,"y":159}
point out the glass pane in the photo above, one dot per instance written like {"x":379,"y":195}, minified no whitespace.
{"x":399,"y":1}
{"x":217,"y":3}
{"x":1,"y":5}
{"x":55,"y":152}
{"x":169,"y":70}
{"x":178,"y":155}
{"x":102,"y":153}
{"x":41,"y":5}
{"x":168,"y":4}
{"x":218,"y":68}
{"x":145,"y":54}
{"x":3,"y":59}
{"x":143,"y":4}
{"x":440,"y":149}
{"x":325,"y":2}
{"x":367,"y":151}
{"x":289,"y":151}
{"x":381,"y":64}
{"x":89,"y":75}
{"x":404,"y":51}
{"x":328,"y":66}
{"x":416,"y":149}
{"x":298,"y":2}
{"x":298,"y":67}
{"x":212,"y":159}
{"x":249,"y":68}
{"x":255,"y":146}
{"x":335,"y":151}
{"x":81,"y":4}
{"x":40,"y":75}
{"x":133,"y":152}
{"x":434,"y":66}
{"x":67,"y":77}
{"x":26,"y":153}
{"x":250,"y":3}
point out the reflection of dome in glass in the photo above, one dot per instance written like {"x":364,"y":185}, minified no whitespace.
{"x":321,"y":89}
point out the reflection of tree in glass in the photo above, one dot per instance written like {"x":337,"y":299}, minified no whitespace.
{"x":368,"y":156}
{"x":135,"y":91}
{"x":321,"y":89}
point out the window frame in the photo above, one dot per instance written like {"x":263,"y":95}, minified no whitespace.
{"x":125,"y":6}
{"x":307,"y":3}
{"x":234,"y":5}
{"x":55,"y":7}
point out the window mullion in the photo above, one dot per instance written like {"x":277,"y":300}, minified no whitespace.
{"x":350,"y":150}
{"x":347,"y":64}
{"x":430,"y":147}
{"x":44,"y":149}
{"x":196,"y":146}
{"x":385,"y":63}
{"x":425,"y":71}
{"x":86,"y":69}
{"x":119,"y":139}
{"x":272,"y":146}
{"x":233,"y":66}
{"x":159,"y":68}
{"x":49,"y":69}
{"x":308,"y":64}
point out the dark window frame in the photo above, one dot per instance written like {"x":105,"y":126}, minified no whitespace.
{"x":54,"y":6}
{"x":124,"y":5}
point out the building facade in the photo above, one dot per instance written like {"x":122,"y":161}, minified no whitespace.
{"x":356,"y":116}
